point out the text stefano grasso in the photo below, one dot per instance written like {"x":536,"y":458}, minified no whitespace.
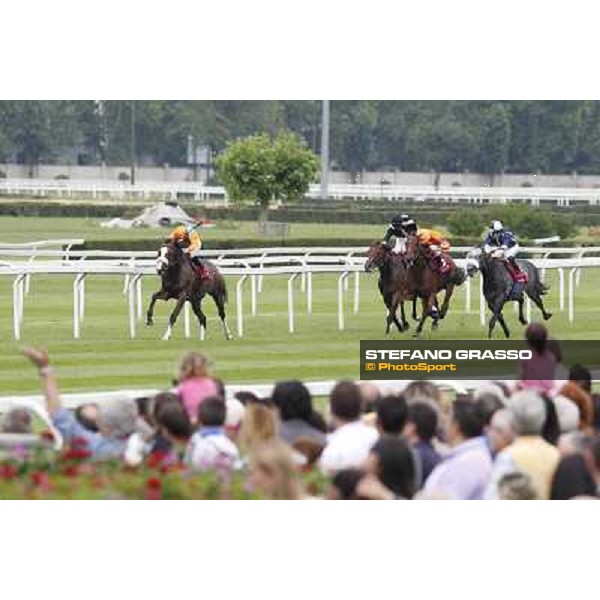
{"x":458,"y":354}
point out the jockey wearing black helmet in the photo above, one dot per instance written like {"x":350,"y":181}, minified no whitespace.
{"x":396,"y":230}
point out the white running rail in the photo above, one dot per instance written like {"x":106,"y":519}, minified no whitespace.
{"x":253,"y":268}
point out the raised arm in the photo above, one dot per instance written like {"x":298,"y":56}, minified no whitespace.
{"x":40,"y":359}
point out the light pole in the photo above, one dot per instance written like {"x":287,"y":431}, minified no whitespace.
{"x":132,"y":142}
{"x":325,"y":150}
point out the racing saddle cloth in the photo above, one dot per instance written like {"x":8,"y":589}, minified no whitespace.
{"x":515,"y":273}
{"x":201,"y":271}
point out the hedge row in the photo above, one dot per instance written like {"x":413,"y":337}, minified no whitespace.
{"x":292,"y":214}
{"x":426,"y":214}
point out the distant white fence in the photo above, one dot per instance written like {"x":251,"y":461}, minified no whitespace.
{"x":99,"y":190}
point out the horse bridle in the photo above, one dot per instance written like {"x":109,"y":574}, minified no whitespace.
{"x":161,"y":259}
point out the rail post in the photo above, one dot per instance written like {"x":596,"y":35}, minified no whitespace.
{"x":239,"y":305}
{"x":186,"y":319}
{"x":18,"y":293}
{"x":561,"y":289}
{"x":260,"y":277}
{"x":131,"y":306}
{"x":356,"y":291}
{"x":138,"y":291}
{"x":290,"y":290}
{"x":77,"y":305}
{"x":481,"y":301}
{"x":341,"y":279}
{"x":572,"y":284}
{"x":253,"y":294}
{"x":468,"y":295}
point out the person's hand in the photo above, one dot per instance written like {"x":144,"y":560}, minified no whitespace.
{"x":370,"y":488}
{"x":37,"y":356}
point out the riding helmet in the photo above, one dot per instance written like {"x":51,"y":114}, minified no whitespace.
{"x":397,"y":221}
{"x":410,"y":225}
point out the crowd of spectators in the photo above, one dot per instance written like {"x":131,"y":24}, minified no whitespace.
{"x":536,"y":438}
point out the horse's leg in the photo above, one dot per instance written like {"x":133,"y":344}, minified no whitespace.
{"x":220,"y":302}
{"x":447,"y":295}
{"x":180,"y":302}
{"x":388,"y":301}
{"x":160,"y":295}
{"x":503,"y":324}
{"x":537,"y":300}
{"x":425,"y":313}
{"x":435,"y":313}
{"x":522,"y":318}
{"x":197,"y":308}
{"x":496,"y":309}
{"x":398,"y":324}
{"x":405,"y":324}
{"x":414,"y":309}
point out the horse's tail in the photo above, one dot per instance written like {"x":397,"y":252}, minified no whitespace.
{"x":541,"y":288}
{"x":221,"y":287}
{"x":224,"y":286}
{"x":537,"y":286}
{"x":457,"y":277}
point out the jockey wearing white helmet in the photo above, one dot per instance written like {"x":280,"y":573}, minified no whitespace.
{"x":503,"y":240}
{"x":500,"y":238}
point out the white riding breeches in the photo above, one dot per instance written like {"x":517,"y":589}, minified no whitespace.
{"x":399,"y":245}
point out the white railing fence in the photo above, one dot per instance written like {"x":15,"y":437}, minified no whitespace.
{"x":100,"y":190}
{"x":253,"y":268}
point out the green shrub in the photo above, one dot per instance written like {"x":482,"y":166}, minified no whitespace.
{"x":523,"y":220}
{"x":465,"y":222}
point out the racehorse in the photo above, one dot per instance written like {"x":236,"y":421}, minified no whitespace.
{"x":392,"y":282}
{"x":427,"y":282}
{"x":498,"y":287}
{"x":180,"y":282}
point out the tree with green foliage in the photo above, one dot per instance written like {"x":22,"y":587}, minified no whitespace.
{"x":494,"y":141}
{"x":352,"y":134}
{"x":260,"y":169}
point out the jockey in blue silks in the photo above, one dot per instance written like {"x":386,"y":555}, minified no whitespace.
{"x":504,"y":240}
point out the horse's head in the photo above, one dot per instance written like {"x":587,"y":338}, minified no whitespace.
{"x":377,"y":255}
{"x":413,"y":249}
{"x":473,"y":261}
{"x":167,"y":257}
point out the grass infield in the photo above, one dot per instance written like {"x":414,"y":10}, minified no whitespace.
{"x":105,"y":357}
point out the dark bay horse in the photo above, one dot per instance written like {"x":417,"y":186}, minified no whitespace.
{"x":498,"y":285}
{"x":393,"y":282}
{"x":180,"y":282}
{"x":427,"y":282}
